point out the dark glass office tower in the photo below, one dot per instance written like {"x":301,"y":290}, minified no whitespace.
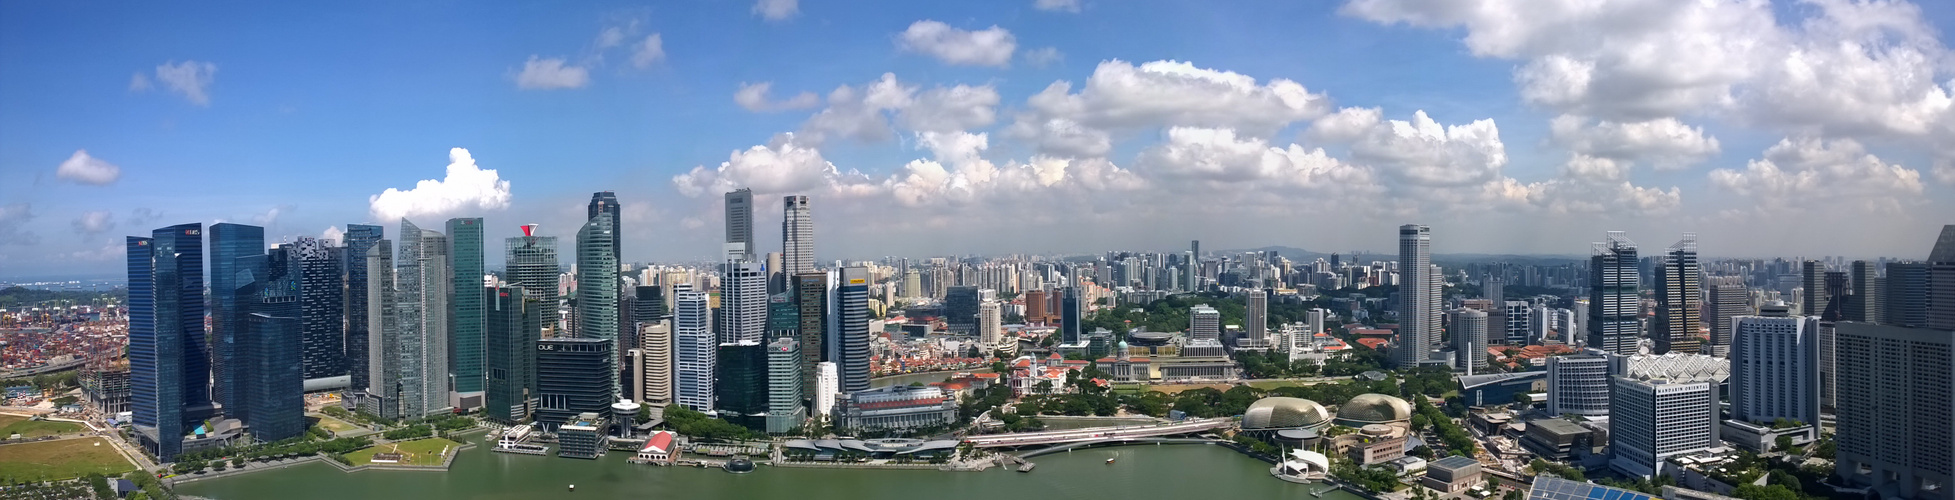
{"x":740,"y":393}
{"x":228,"y":244}
{"x":811,"y":297}
{"x":359,"y":238}
{"x":961,"y":308}
{"x":1613,"y":303}
{"x":606,"y":202}
{"x":531,"y":263}
{"x":269,"y":368}
{"x":465,"y":310}
{"x":316,"y":272}
{"x":169,"y":363}
{"x":509,"y":353}
{"x":570,"y":380}
{"x":852,"y":334}
{"x":1069,"y":317}
{"x":1864,"y":306}
{"x":648,"y":304}
{"x":1906,"y":295}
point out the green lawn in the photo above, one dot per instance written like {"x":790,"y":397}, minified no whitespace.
{"x":417,"y":452}
{"x":67,"y":458}
{"x":336,"y":426}
{"x":10,"y":424}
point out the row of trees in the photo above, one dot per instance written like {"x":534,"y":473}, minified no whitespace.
{"x":693,"y":423}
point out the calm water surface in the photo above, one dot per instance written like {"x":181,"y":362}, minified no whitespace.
{"x":1140,"y":472}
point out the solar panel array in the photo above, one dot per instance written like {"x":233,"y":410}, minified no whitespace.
{"x":1554,"y":488}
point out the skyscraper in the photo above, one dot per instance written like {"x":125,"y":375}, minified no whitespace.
{"x":510,"y":326}
{"x":465,"y":312}
{"x":169,"y":365}
{"x":1906,"y":295}
{"x":785,"y":410}
{"x":740,"y":386}
{"x":269,"y":364}
{"x":228,"y":243}
{"x":315,"y":266}
{"x":1469,"y":339}
{"x":597,"y":287}
{"x":1864,"y":305}
{"x":743,"y":299}
{"x":384,"y":388}
{"x":567,"y":384}
{"x":693,"y":356}
{"x":1613,"y":304}
{"x":421,"y":312}
{"x":1896,"y":421}
{"x":1071,"y":312}
{"x":739,"y":220}
{"x":1775,"y":370}
{"x":797,"y":236}
{"x":1677,"y":299}
{"x":1729,"y":300}
{"x":1812,"y":275}
{"x":1416,"y":313}
{"x":852,"y":329}
{"x":961,"y":309}
{"x":1941,"y":285}
{"x":606,"y":203}
{"x":532,"y":264}
{"x":359,"y":239}
{"x":990,"y":325}
{"x":655,"y":358}
{"x":1255,"y":318}
{"x":810,"y":291}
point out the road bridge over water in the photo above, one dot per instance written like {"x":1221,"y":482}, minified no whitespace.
{"x":1097,"y":434}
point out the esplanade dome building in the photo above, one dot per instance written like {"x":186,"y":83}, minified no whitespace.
{"x":1369,"y":409}
{"x":1285,"y":413}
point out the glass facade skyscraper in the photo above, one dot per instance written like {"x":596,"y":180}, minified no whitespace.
{"x":465,"y":323}
{"x":421,"y":311}
{"x":811,"y":297}
{"x":228,"y":243}
{"x":359,"y":239}
{"x":271,"y":348}
{"x":852,"y":334}
{"x":169,"y":365}
{"x":509,"y":353}
{"x":383,"y":343}
{"x":797,"y":236}
{"x":739,"y":220}
{"x":597,"y":287}
{"x":693,"y":356}
{"x":740,"y":391}
{"x":567,"y":383}
{"x":1613,"y":304}
{"x":531,"y":263}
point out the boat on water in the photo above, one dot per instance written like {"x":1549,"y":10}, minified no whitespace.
{"x":1109,"y":461}
{"x":573,"y":487}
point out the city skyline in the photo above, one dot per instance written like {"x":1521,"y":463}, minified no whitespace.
{"x":917,"y":119}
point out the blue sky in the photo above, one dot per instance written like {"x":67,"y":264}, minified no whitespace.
{"x":1240,"y":123}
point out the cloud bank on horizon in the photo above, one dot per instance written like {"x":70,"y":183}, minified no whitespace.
{"x":1659,"y":116}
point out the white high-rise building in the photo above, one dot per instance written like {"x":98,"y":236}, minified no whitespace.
{"x":655,"y":363}
{"x":1774,"y":367}
{"x":1470,"y":339}
{"x":743,"y":299}
{"x":1651,"y":420}
{"x":990,"y":324}
{"x":1579,"y":384}
{"x":1316,"y":320}
{"x":797,"y":236}
{"x":828,"y":383}
{"x":1416,"y":311}
{"x":694,"y":355}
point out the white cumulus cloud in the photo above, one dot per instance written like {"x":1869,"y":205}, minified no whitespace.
{"x":1056,"y":5}
{"x":753,"y":96}
{"x":466,"y":188}
{"x":552,"y":73}
{"x":332,"y":234}
{"x":1811,"y":173}
{"x":1121,"y":95}
{"x":192,"y":79}
{"x":648,"y":51}
{"x":776,"y":10}
{"x":1667,"y":143}
{"x":987,"y":47}
{"x":85,"y":169}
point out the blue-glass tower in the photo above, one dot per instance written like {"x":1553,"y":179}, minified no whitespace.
{"x":169,"y":363}
{"x":359,"y":238}
{"x":228,"y":244}
{"x":465,"y":310}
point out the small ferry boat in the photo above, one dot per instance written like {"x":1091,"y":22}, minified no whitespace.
{"x":1109,"y":461}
